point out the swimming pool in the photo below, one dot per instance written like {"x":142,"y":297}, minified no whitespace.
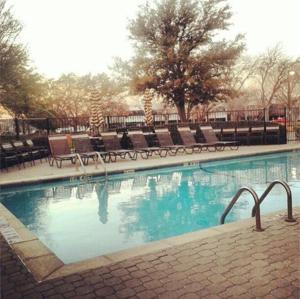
{"x":79,"y":220}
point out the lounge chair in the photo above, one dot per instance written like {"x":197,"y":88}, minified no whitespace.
{"x":188,"y":140}
{"x":211,"y":138}
{"x":28,"y":153}
{"x":60,"y":151}
{"x":16,"y":147}
{"x":43,"y":150}
{"x":112,"y":144}
{"x":141,"y":147}
{"x":84,"y":148}
{"x":9,"y":156}
{"x":165,"y":140}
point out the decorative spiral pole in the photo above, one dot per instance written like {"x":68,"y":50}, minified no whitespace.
{"x":148,"y":96}
{"x":97,"y":119}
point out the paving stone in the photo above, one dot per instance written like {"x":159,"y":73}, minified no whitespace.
{"x":189,"y":296}
{"x":112,"y":281}
{"x":126,"y":293}
{"x":71,"y":294}
{"x":282,"y":292}
{"x":119,"y":287}
{"x":56,"y":297}
{"x":132,"y":283}
{"x":104,"y":291}
{"x":152,"y":284}
{"x":148,"y":294}
{"x":84,"y":290}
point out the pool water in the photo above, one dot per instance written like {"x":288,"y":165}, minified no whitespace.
{"x":79,"y":220}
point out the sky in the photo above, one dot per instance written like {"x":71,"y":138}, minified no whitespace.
{"x":83,"y":36}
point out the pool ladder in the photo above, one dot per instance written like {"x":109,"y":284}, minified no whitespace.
{"x":99,"y":161}
{"x":259,"y":200}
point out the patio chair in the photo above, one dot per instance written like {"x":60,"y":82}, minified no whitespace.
{"x":43,"y":150}
{"x":84,"y":148}
{"x":27,"y":152}
{"x":60,"y":151}
{"x":189,"y":141}
{"x":9,"y":156}
{"x":22,"y":155}
{"x":211,"y":138}
{"x":141,"y":147}
{"x":165,"y":140}
{"x":112,"y":144}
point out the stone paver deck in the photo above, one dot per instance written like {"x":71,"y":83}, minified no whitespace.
{"x":237,"y":264}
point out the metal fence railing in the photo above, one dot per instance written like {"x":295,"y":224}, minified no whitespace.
{"x":44,"y":126}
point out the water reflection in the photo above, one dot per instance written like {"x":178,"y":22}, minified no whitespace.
{"x":102,"y":195}
{"x":128,"y":210}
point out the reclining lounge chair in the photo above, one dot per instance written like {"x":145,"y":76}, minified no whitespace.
{"x":211,"y":138}
{"x":165,"y":140}
{"x":188,"y":140}
{"x":141,"y":147}
{"x":60,"y":151}
{"x":112,"y":144}
{"x":84,"y":148}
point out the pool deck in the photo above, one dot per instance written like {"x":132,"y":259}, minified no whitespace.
{"x":42,"y":171}
{"x":237,"y":263}
{"x":229,"y":261}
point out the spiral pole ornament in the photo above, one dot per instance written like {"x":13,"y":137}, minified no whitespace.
{"x":148,"y":96}
{"x":96,"y":119}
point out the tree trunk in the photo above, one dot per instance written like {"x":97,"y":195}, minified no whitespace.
{"x":181,"y":112}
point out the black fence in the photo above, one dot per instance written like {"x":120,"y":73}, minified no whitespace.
{"x":288,"y":120}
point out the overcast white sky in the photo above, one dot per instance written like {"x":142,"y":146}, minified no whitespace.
{"x":83,"y":36}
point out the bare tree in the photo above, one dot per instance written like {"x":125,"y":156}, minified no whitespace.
{"x":272,"y":75}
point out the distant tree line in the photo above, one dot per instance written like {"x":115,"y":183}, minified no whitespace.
{"x":179,"y":55}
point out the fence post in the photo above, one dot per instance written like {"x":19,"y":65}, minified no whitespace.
{"x":48,"y":125}
{"x":286,"y":126}
{"x":17,"y":125}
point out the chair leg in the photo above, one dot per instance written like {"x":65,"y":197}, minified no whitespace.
{"x":147,"y":155}
{"x":163,"y":153}
{"x":132,"y":155}
{"x":113,"y":157}
{"x":51,"y":161}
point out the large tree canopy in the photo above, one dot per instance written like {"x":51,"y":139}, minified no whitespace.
{"x":177,"y":53}
{"x":69,"y":95}
{"x":20,"y":86}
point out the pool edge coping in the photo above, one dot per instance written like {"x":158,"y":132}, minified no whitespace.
{"x":45,"y":265}
{"x":135,"y":168}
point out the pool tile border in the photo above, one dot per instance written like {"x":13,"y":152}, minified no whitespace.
{"x":137,"y":168}
{"x":45,"y":265}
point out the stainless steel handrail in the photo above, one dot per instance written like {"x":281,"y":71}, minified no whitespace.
{"x":234,"y":200}
{"x":289,"y":199}
{"x":81,"y":164}
{"x":102,"y":162}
